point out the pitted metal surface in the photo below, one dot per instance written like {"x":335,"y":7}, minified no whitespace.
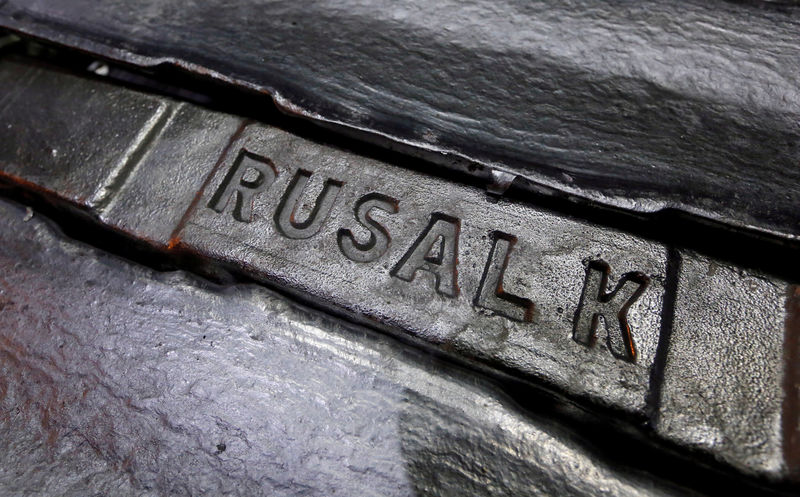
{"x":427,"y":279}
{"x":118,"y":380}
{"x":681,"y":347}
{"x":724,"y":379}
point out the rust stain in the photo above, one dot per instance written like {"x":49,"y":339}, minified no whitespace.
{"x":790,"y":419}
{"x":28,"y":186}
{"x":173,"y":242}
{"x":37,"y":397}
{"x":10,"y":178}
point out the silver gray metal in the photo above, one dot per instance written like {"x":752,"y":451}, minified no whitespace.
{"x":508,"y":288}
{"x":119,"y":380}
{"x":164,"y":181}
{"x":93,"y":134}
{"x":180,"y":202}
{"x":648,"y":105}
{"x":728,"y":358}
{"x":436,"y":297}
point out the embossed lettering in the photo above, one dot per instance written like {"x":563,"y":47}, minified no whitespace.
{"x":285,"y":214}
{"x":435,"y":251}
{"x":379,"y":238}
{"x":491,"y":294}
{"x":237,"y":184}
{"x":597,"y":303}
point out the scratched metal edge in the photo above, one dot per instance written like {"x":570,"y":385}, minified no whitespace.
{"x":61,"y":33}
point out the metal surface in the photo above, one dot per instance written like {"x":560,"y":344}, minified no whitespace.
{"x":724,"y":382}
{"x":691,"y":105}
{"x":79,"y":157}
{"x":677,"y":346}
{"x":119,"y":380}
{"x":402,"y":288}
{"x":428,"y":280}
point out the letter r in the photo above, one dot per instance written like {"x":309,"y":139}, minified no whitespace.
{"x":244,"y":190}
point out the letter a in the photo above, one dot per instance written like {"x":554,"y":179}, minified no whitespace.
{"x":435,"y":251}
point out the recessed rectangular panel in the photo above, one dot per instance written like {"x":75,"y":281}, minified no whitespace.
{"x":724,"y":380}
{"x":542,"y":295}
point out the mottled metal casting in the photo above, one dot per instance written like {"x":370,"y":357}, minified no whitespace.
{"x":513,"y":286}
{"x":690,"y":350}
{"x":730,"y":346}
{"x":646,"y":105}
{"x":119,"y":380}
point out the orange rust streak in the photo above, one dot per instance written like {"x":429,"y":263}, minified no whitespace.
{"x":173,"y":242}
{"x":30,"y":186}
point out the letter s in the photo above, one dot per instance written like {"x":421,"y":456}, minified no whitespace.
{"x":379,"y":238}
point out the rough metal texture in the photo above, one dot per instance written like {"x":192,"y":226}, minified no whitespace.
{"x":117,"y":380}
{"x":80,"y":158}
{"x":723,"y":386}
{"x":519,"y":291}
{"x":547,"y":264}
{"x":187,"y":141}
{"x":690,"y":104}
